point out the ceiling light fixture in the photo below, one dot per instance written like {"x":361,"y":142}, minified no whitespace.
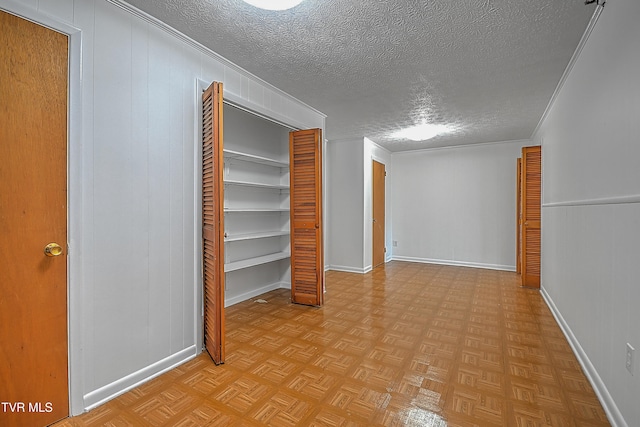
{"x":422,"y":132}
{"x":274,"y":4}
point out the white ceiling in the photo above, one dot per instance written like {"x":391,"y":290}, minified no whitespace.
{"x":486,"y":67}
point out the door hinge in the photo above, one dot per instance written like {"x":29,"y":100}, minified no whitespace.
{"x":385,"y":250}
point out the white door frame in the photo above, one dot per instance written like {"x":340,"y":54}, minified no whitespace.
{"x":74,"y":193}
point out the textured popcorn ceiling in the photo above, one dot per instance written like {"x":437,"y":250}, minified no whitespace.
{"x":486,"y":67}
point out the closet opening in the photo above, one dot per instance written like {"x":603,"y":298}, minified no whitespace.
{"x":261,"y":211}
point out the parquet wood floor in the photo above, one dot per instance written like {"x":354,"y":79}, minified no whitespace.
{"x":405,"y":345}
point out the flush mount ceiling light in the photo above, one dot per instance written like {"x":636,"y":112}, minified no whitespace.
{"x":274,"y":4}
{"x":422,"y":132}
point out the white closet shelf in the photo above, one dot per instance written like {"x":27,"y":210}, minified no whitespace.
{"x":232,"y":154}
{"x":257,"y":209}
{"x":252,"y":236}
{"x":255,"y":184}
{"x":250,"y":262}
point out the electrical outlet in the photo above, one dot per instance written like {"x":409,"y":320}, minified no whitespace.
{"x":630,"y":354}
{"x":395,"y":243}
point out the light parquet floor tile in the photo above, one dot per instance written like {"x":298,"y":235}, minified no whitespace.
{"x":404,"y":345}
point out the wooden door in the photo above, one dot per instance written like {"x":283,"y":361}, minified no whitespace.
{"x":519,"y":216}
{"x":305,"y":172}
{"x":33,"y":213}
{"x":531,"y":215}
{"x":213,"y":221}
{"x":378,"y":203}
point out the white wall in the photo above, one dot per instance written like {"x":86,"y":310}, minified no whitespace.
{"x":349,"y":194}
{"x":373,"y":151}
{"x":345,"y":205}
{"x":456,"y":205}
{"x":134,"y":260}
{"x":591,"y":207}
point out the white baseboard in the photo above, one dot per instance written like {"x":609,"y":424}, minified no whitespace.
{"x":455,"y":263}
{"x":348,"y":269}
{"x":116,"y":388}
{"x":613,"y":413}
{"x":255,"y":292}
{"x":285,"y":285}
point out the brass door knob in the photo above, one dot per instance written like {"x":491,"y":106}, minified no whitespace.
{"x":53,"y":249}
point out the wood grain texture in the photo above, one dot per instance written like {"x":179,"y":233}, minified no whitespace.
{"x":531,"y":215}
{"x":378,"y":208}
{"x":406,"y":344}
{"x":305,"y":174}
{"x":213,"y":221}
{"x":519,"y":216}
{"x":33,"y":213}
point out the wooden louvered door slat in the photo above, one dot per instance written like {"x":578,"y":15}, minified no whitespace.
{"x":212,"y":221}
{"x":531,"y":215}
{"x":307,"y":264}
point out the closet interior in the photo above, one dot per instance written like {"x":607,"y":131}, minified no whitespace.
{"x":257,"y":246}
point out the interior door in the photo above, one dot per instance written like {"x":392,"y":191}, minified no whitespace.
{"x":213,"y":220}
{"x":531,"y":215}
{"x":519,"y":216}
{"x":307,"y":261}
{"x":378,"y":203}
{"x":33,"y":213}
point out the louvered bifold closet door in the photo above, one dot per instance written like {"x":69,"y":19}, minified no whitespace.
{"x":531,"y":215}
{"x":307,"y":264}
{"x":212,"y":221}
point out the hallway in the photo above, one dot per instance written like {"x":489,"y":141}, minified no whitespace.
{"x":405,"y":345}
